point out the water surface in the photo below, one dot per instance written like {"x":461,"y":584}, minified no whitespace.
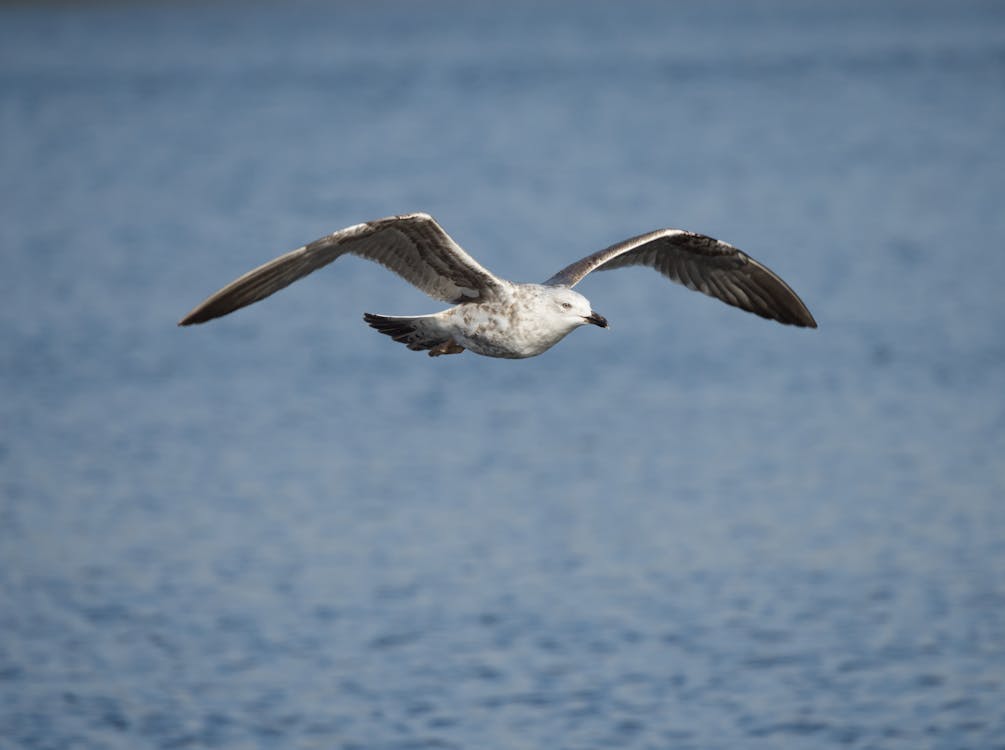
{"x":696,"y":530}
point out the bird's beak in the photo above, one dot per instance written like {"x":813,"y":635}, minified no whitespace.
{"x":596,"y":319}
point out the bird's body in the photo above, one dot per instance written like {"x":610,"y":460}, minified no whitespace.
{"x":499,"y":318}
{"x":522,"y":320}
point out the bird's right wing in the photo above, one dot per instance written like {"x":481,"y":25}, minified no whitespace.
{"x":414,"y":246}
{"x":701,"y":263}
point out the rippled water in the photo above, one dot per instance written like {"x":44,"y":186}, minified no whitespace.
{"x":697,"y":530}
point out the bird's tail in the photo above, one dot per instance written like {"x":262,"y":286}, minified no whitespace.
{"x":417,"y":333}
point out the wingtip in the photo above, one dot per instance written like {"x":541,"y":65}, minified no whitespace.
{"x":802,"y":321}
{"x":801,"y":318}
{"x":192,"y":318}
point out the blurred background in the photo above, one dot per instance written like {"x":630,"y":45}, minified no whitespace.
{"x":697,"y":530}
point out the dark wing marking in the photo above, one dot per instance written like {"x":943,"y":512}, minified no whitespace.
{"x":414,"y":246}
{"x":703,"y":264}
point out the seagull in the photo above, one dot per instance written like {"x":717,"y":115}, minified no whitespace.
{"x":499,"y":318}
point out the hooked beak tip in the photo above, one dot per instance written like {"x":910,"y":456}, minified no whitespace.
{"x":596,"y":319}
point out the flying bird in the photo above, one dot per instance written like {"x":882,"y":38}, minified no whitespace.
{"x":499,"y":318}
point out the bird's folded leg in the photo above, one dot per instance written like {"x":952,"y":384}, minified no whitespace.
{"x":446,"y":347}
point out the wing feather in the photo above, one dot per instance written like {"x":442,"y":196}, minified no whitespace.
{"x":703,"y":264}
{"x":413,"y":246}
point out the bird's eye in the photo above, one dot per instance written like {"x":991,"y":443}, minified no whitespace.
{"x":566,"y":306}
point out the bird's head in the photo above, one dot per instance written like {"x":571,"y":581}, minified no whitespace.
{"x":572,"y":308}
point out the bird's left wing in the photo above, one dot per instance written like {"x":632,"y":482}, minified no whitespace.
{"x":414,"y":246}
{"x":701,"y":263}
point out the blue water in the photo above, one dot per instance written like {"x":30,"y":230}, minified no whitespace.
{"x":697,"y":530}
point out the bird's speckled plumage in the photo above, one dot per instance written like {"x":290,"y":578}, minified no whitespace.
{"x":499,"y":318}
